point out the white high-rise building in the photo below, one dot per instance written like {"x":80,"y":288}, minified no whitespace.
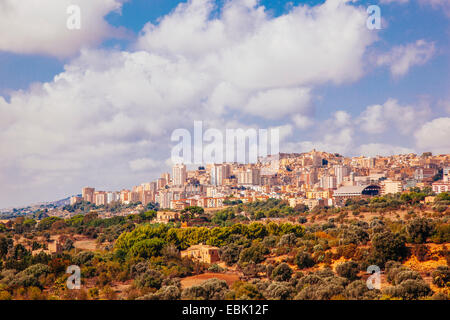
{"x":179,"y":175}
{"x":219,"y":172}
{"x":112,"y":196}
{"x":340,"y":172}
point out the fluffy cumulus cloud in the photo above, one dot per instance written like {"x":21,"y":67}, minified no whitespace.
{"x":434,"y":136}
{"x":40,"y":27}
{"x":107,"y":119}
{"x":401,"y":58}
{"x":377,"y":119}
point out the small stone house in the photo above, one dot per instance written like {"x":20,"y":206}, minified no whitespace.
{"x":202,"y":253}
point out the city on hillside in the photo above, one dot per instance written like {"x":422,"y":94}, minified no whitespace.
{"x":313,"y":179}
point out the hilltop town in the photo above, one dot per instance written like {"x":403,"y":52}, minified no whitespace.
{"x":314,"y":179}
{"x":310,"y":227}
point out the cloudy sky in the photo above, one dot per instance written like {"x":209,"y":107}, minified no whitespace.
{"x":97,"y":106}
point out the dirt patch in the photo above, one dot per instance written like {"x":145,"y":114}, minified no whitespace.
{"x":89,"y":245}
{"x":230,"y":278}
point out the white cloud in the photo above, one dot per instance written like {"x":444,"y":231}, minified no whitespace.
{"x":39,"y":27}
{"x":302,"y":122}
{"x":378,"y":118}
{"x":108,"y":109}
{"x":277,"y":103}
{"x":341,"y":118}
{"x":434,"y":136}
{"x":249,"y":49}
{"x":143,"y":164}
{"x":401,"y":58}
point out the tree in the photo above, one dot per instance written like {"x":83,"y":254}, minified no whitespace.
{"x":419,"y":230}
{"x":147,"y":248}
{"x":254,"y":254}
{"x":387,"y":246}
{"x":287,"y":240}
{"x":230,"y":254}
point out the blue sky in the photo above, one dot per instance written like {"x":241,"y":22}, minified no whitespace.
{"x":106,"y":98}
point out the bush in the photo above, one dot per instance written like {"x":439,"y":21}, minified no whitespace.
{"x":212,"y":289}
{"x":165,"y":293}
{"x":254,"y":254}
{"x":149,"y":279}
{"x":404,"y":275}
{"x":409,"y":290}
{"x":215,"y":268}
{"x":279,"y":291}
{"x":325,"y":291}
{"x":282,"y":272}
{"x":348,"y":270}
{"x":304,"y":260}
{"x":419,"y":230}
{"x":230,"y":254}
{"x":421,"y":252}
{"x":387,"y":246}
{"x":357,"y":290}
{"x":287,"y":240}
{"x":83,"y":258}
{"x":441,"y":276}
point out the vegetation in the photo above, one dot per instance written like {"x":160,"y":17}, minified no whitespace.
{"x":318,"y":254}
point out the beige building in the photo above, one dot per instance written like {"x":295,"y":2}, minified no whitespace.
{"x":166,"y":216}
{"x":202,"y":253}
{"x":74,"y":200}
{"x":389,"y":186}
{"x":179,"y":175}
{"x":87,"y":194}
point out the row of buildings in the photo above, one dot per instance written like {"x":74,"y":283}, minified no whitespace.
{"x":313,"y":178}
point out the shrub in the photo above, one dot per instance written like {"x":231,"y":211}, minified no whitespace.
{"x":304,"y":260}
{"x":215,"y":268}
{"x":287,"y":240}
{"x":149,"y":279}
{"x":254,"y":254}
{"x":165,"y":293}
{"x":422,"y":252}
{"x":348,"y":270}
{"x":245,"y":291}
{"x":279,"y":291}
{"x":357,"y":290}
{"x":387,"y":246}
{"x":282,"y":272}
{"x":324,"y":291}
{"x":441,"y":276}
{"x":419,"y":230}
{"x":230,"y":254}
{"x":83,"y":257}
{"x":212,"y":289}
{"x":409,"y":290}
{"x":406,"y":275}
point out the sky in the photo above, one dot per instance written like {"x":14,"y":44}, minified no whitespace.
{"x":97,"y":105}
